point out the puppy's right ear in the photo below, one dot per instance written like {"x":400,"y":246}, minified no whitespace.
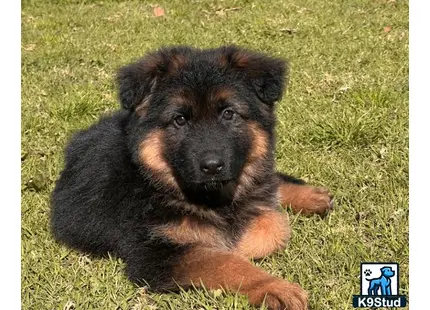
{"x":137,"y":80}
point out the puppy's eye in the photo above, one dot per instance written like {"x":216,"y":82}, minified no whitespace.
{"x":180,"y":121}
{"x":228,"y":114}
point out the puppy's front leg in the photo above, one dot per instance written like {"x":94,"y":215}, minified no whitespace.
{"x":268,"y":232}
{"x":220,"y":269}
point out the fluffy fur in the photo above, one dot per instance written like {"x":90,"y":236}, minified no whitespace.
{"x":180,"y":183}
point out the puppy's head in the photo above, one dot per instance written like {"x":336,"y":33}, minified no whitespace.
{"x":203,"y":119}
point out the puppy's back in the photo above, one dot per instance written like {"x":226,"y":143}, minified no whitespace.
{"x":83,"y":209}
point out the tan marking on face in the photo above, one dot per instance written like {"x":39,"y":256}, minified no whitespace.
{"x":246,"y":182}
{"x":259,"y":149}
{"x":180,"y":98}
{"x":260,"y":142}
{"x":222,"y":94}
{"x":267,"y":233}
{"x":151,"y":155}
{"x":190,"y":230}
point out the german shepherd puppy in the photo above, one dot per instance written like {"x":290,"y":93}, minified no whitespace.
{"x":180,"y":183}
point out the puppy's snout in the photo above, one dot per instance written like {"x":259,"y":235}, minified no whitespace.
{"x":211,"y":163}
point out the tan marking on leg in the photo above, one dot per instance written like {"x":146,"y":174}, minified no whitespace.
{"x":218,"y":269}
{"x":267,"y":233}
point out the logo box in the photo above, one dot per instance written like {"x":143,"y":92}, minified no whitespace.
{"x":370,"y":271}
{"x":379,"y":286}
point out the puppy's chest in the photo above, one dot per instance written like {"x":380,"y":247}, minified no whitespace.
{"x":190,"y":230}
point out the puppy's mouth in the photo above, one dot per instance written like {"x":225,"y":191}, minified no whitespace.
{"x":210,"y":186}
{"x":212,"y":194}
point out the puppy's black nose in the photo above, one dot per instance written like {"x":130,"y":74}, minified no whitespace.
{"x":211,"y":164}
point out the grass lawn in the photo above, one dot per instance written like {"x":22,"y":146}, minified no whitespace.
{"x":343,"y":123}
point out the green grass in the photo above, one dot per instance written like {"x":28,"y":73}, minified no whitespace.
{"x":343,"y":123}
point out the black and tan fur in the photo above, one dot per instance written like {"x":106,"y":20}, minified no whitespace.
{"x":180,"y":183}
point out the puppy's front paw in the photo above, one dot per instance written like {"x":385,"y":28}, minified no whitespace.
{"x":319,"y":200}
{"x":280,"y":295}
{"x":306,"y":199}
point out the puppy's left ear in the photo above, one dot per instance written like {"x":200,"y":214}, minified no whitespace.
{"x":267,"y":75}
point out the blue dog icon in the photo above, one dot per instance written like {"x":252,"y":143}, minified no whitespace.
{"x":383,"y":282}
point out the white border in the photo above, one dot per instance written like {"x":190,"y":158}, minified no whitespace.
{"x":10,"y":161}
{"x":419,"y":152}
{"x":10,"y":220}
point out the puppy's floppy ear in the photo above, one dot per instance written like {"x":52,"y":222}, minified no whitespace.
{"x":267,"y":75}
{"x":137,"y":80}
